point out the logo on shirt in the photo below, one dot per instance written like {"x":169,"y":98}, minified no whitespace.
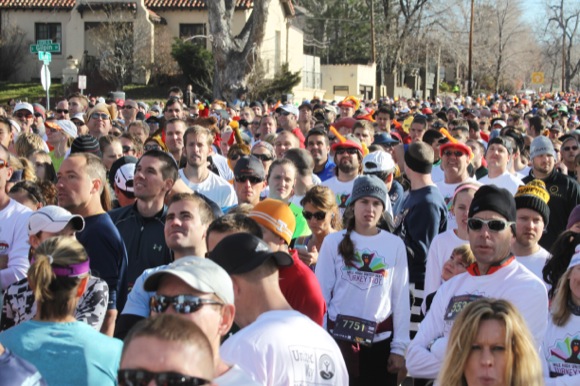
{"x":366,"y":270}
{"x":342,"y":200}
{"x":564,"y":355}
{"x":309,"y":364}
{"x":326,"y":366}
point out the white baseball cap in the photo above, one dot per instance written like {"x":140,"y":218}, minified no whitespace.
{"x":24,"y":106}
{"x":53,"y":219}
{"x":124,"y":177}
{"x":378,"y":161}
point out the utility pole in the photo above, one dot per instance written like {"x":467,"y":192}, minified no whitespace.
{"x":469,"y":69}
{"x":373,"y":48}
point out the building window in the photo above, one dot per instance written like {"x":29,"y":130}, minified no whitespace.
{"x":187,"y":31}
{"x":49,"y":31}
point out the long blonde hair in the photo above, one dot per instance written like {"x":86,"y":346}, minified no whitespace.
{"x":523,"y":363}
{"x":560,"y":311}
{"x":56,"y":295}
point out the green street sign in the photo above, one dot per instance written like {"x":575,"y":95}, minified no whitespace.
{"x":44,"y":45}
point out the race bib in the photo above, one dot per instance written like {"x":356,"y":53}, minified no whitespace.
{"x":353,"y":329}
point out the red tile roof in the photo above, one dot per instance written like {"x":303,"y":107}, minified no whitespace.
{"x":153,"y":4}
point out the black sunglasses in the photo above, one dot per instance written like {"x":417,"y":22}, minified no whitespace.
{"x":127,"y":149}
{"x":253,"y":180}
{"x":235,"y":156}
{"x":317,"y":215}
{"x":263,"y":157}
{"x":349,"y":150}
{"x":476,"y":224}
{"x":152,"y":147}
{"x":456,"y":153}
{"x":62,"y":111}
{"x":568,"y":148}
{"x":182,"y":304}
{"x":132,"y":377}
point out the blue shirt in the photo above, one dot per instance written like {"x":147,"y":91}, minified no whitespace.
{"x":21,"y":372}
{"x":328,"y":171}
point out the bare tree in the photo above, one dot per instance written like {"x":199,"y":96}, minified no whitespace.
{"x":234,"y":56}
{"x":566,"y":18}
{"x":115,"y":45}
{"x":13,"y":49}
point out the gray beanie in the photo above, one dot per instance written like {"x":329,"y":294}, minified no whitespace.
{"x":541,"y":145}
{"x":369,"y":186}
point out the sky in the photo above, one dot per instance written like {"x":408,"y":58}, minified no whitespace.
{"x":533,"y":10}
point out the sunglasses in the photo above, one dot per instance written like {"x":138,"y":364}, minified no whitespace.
{"x":132,"y":377}
{"x":253,"y":180}
{"x":23,"y":115}
{"x":3,"y":163}
{"x":331,"y":139}
{"x":152,"y":147}
{"x":284,"y":113}
{"x":568,"y":148}
{"x":77,"y":123}
{"x":128,"y":107}
{"x":263,"y":157}
{"x":235,"y":156}
{"x":62,"y":111}
{"x":475,"y":224}
{"x":456,"y":153}
{"x":102,"y":116}
{"x":317,"y":215}
{"x":349,"y":150}
{"x":182,"y":304}
{"x":127,"y":149}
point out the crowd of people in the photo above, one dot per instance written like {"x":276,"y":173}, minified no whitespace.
{"x":315,"y":242}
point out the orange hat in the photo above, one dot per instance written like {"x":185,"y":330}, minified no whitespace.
{"x":276,"y":216}
{"x":456,"y":145}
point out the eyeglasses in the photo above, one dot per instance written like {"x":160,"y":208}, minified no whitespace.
{"x":456,"y":153}
{"x":128,"y":107}
{"x":62,"y":111}
{"x":285,"y":113}
{"x":568,"y":148}
{"x":349,"y":150}
{"x":127,"y":149}
{"x":235,"y":156}
{"x":132,"y":377}
{"x":3,"y":163}
{"x":476,"y":224}
{"x":152,"y":147}
{"x":77,"y":123}
{"x":182,"y":304}
{"x":23,"y":115}
{"x":263,"y":157}
{"x":253,"y":179}
{"x":102,"y":116}
{"x":331,"y":139}
{"x":317,"y":215}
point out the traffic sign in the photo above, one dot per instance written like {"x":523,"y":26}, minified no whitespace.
{"x":537,"y":78}
{"x":46,"y":57}
{"x":82,"y":82}
{"x":44,"y":45}
{"x":45,"y":77}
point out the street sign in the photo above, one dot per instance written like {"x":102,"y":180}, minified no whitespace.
{"x":537,"y":78}
{"x":44,"y":45}
{"x":45,"y":77}
{"x":82,"y":82}
{"x":46,"y":57}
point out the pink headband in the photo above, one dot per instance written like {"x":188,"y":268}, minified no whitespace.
{"x":72,"y":270}
{"x":464,"y":187}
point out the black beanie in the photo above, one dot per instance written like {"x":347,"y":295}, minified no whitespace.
{"x":86,"y":144}
{"x":490,"y":197}
{"x":419,"y":160}
{"x":534,"y":196}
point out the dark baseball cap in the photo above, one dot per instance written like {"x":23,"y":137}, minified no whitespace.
{"x":250,"y":166}
{"x":242,"y":252}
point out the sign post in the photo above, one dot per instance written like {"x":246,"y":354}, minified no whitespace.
{"x":82,"y":83}
{"x":44,"y":48}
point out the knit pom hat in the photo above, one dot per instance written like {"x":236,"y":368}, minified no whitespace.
{"x":369,"y":186}
{"x":534,"y":196}
{"x":499,"y":200}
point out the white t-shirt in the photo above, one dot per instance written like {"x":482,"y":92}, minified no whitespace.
{"x":439,"y":252}
{"x":342,"y":191}
{"x":221,"y":164}
{"x":513,"y":282}
{"x":374,"y":286}
{"x":14,"y":242}
{"x":506,"y":180}
{"x":437,"y":173}
{"x":215,"y":188}
{"x":235,"y":376}
{"x":557,"y":352}
{"x":535,"y":262}
{"x":447,"y":191}
{"x":286,"y":348}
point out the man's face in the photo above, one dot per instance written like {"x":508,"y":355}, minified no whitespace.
{"x":99,"y":124}
{"x":197,"y":150}
{"x":364,"y":135}
{"x":74,"y":186}
{"x":346,"y":111}
{"x":257,"y":111}
{"x":129,"y":111}
{"x":174,"y":136}
{"x":497,"y":156}
{"x":569,"y":151}
{"x":248,"y":189}
{"x":267,"y":126}
{"x":128,"y":147}
{"x":62,"y":111}
{"x":318,"y":148}
{"x":5,"y":135}
{"x":529,"y":227}
{"x":287,"y":120}
{"x":25,"y":119}
{"x":305,"y":114}
{"x":543,"y":163}
{"x":138,"y":132}
{"x":489,"y":247}
{"x":383,"y":122}
{"x":283,"y":143}
{"x":346,"y":159}
{"x":454,"y":163}
{"x":281,"y":181}
{"x":174,"y":111}
{"x":183,"y":227}
{"x":75,"y":106}
{"x":5,"y":171}
{"x":416,"y":132}
{"x":148,"y":182}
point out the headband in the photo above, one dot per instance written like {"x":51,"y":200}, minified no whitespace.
{"x":72,"y":270}
{"x":464,"y":187}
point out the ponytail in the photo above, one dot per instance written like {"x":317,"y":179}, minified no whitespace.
{"x":346,"y":246}
{"x":41,"y":276}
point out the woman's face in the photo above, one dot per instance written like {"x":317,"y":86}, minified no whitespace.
{"x":487,"y":361}
{"x":38,"y":163}
{"x":461,"y":208}
{"x":575,"y":284}
{"x":367,"y":213}
{"x":281,"y":182}
{"x":112,"y":153}
{"x":318,"y":227}
{"x":264,"y":156}
{"x":452,"y":267}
